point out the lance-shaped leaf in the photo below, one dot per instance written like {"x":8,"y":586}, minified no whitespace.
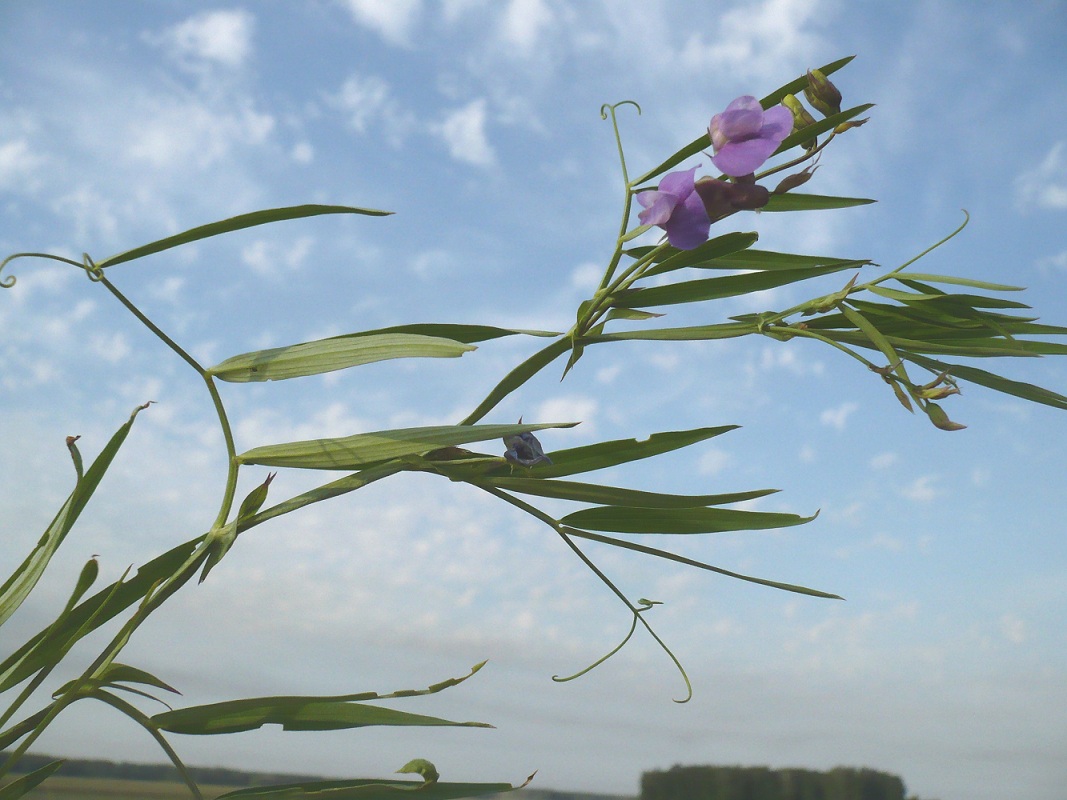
{"x":624,"y":519}
{"x":329,"y":355}
{"x":364,"y":449}
{"x":237,"y":223}
{"x":24,"y":784}
{"x":618,"y":451}
{"x":47,"y":646}
{"x":17,"y":587}
{"x":613,"y":495}
{"x":726,"y":286}
{"x":1027,"y":391}
{"x":369,"y":789}
{"x":468,"y":334}
{"x":792,"y":201}
{"x":762,"y":260}
{"x":293,"y":714}
{"x":704,"y":254}
{"x":725,"y":330}
{"x":305,"y":713}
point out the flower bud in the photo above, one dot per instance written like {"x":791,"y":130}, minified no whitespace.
{"x":793,"y":181}
{"x":822,"y":94}
{"x":802,"y":118}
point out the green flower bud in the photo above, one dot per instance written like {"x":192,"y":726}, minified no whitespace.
{"x":802,"y":118}
{"x":822,"y":94}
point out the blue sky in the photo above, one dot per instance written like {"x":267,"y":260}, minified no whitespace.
{"x":478,"y":124}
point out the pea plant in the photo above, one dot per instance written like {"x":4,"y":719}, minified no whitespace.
{"x":905,"y":326}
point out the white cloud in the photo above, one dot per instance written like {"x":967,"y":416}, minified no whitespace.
{"x":1045,"y":186}
{"x":463,"y":131}
{"x":213,"y":37}
{"x":1058,"y":261}
{"x":17,"y":162}
{"x":522,"y":23}
{"x":367,"y":100}
{"x":756,"y":40}
{"x":714,"y":461}
{"x":570,"y":408}
{"x":392,"y":20}
{"x":112,"y":348}
{"x":922,"y":489}
{"x":884,"y":460}
{"x":302,"y":153}
{"x":837,"y":417}
{"x":266,"y":258}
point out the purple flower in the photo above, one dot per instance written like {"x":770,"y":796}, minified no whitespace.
{"x":744,"y":135}
{"x":676,"y":208}
{"x":524,"y":449}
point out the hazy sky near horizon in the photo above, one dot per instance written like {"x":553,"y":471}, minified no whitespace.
{"x":478,"y":124}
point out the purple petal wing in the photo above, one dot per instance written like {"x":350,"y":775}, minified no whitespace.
{"x":744,"y":158}
{"x":689,"y":224}
{"x":777,"y":123}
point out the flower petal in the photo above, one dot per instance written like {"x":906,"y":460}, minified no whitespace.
{"x":679,"y":183}
{"x":777,"y":123}
{"x":744,"y":158}
{"x":689,"y":224}
{"x":658,"y":207}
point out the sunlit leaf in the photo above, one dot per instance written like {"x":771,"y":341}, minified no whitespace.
{"x":328,"y":355}
{"x":237,"y":223}
{"x":725,"y":330}
{"x":622,"y":519}
{"x":364,"y":449}
{"x":974,"y":284}
{"x":709,"y":251}
{"x":768,"y":259}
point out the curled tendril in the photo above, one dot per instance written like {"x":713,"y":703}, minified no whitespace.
{"x":608,"y":109}
{"x":92,"y":271}
{"x":642,"y":606}
{"x":10,"y":281}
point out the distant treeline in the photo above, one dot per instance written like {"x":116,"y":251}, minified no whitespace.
{"x":121,"y":770}
{"x":764,"y":783}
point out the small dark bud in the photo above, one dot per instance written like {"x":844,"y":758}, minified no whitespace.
{"x":793,"y":181}
{"x":721,"y":199}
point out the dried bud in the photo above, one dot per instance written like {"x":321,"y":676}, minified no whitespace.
{"x":721,"y":199}
{"x":852,"y":123}
{"x":793,"y":181}
{"x":524,"y":449}
{"x":940,"y":418}
{"x":822,"y":94}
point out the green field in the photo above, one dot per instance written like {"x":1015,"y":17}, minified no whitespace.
{"x":61,"y":788}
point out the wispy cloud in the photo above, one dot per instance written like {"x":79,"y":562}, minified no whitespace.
{"x":1045,"y":186}
{"x":211,"y":38}
{"x":838,"y":416}
{"x":394,"y":21}
{"x":463,"y":131}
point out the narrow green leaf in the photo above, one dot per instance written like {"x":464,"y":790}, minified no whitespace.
{"x":725,"y":330}
{"x":18,"y":586}
{"x":652,"y":551}
{"x":47,"y":646}
{"x":363,"y":449}
{"x":792,"y":201}
{"x":368,"y":789}
{"x":518,"y":376}
{"x":872,"y":333}
{"x":329,"y":355}
{"x":975,"y":284}
{"x":726,"y":286}
{"x":124,"y":673}
{"x":619,"y":451}
{"x":237,"y":223}
{"x":622,"y":519}
{"x":1027,"y":391}
{"x":709,"y":251}
{"x":23,"y":785}
{"x":468,"y":334}
{"x":631,"y":314}
{"x":612,"y":495}
{"x":293,"y":714}
{"x":768,"y":260}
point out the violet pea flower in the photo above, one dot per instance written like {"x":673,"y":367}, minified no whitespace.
{"x":524,"y":449}
{"x":678,"y":209}
{"x":744,"y":135}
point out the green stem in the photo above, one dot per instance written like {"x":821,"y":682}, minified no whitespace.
{"x":220,"y":410}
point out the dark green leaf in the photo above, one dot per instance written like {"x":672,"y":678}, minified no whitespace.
{"x":726,"y":286}
{"x":1027,"y":391}
{"x":652,"y":551}
{"x":235,"y":224}
{"x":24,"y":784}
{"x":622,"y":519}
{"x":612,"y":495}
{"x":702,"y":255}
{"x":368,"y":789}
{"x":793,"y":201}
{"x":726,"y":330}
{"x":769,"y":260}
